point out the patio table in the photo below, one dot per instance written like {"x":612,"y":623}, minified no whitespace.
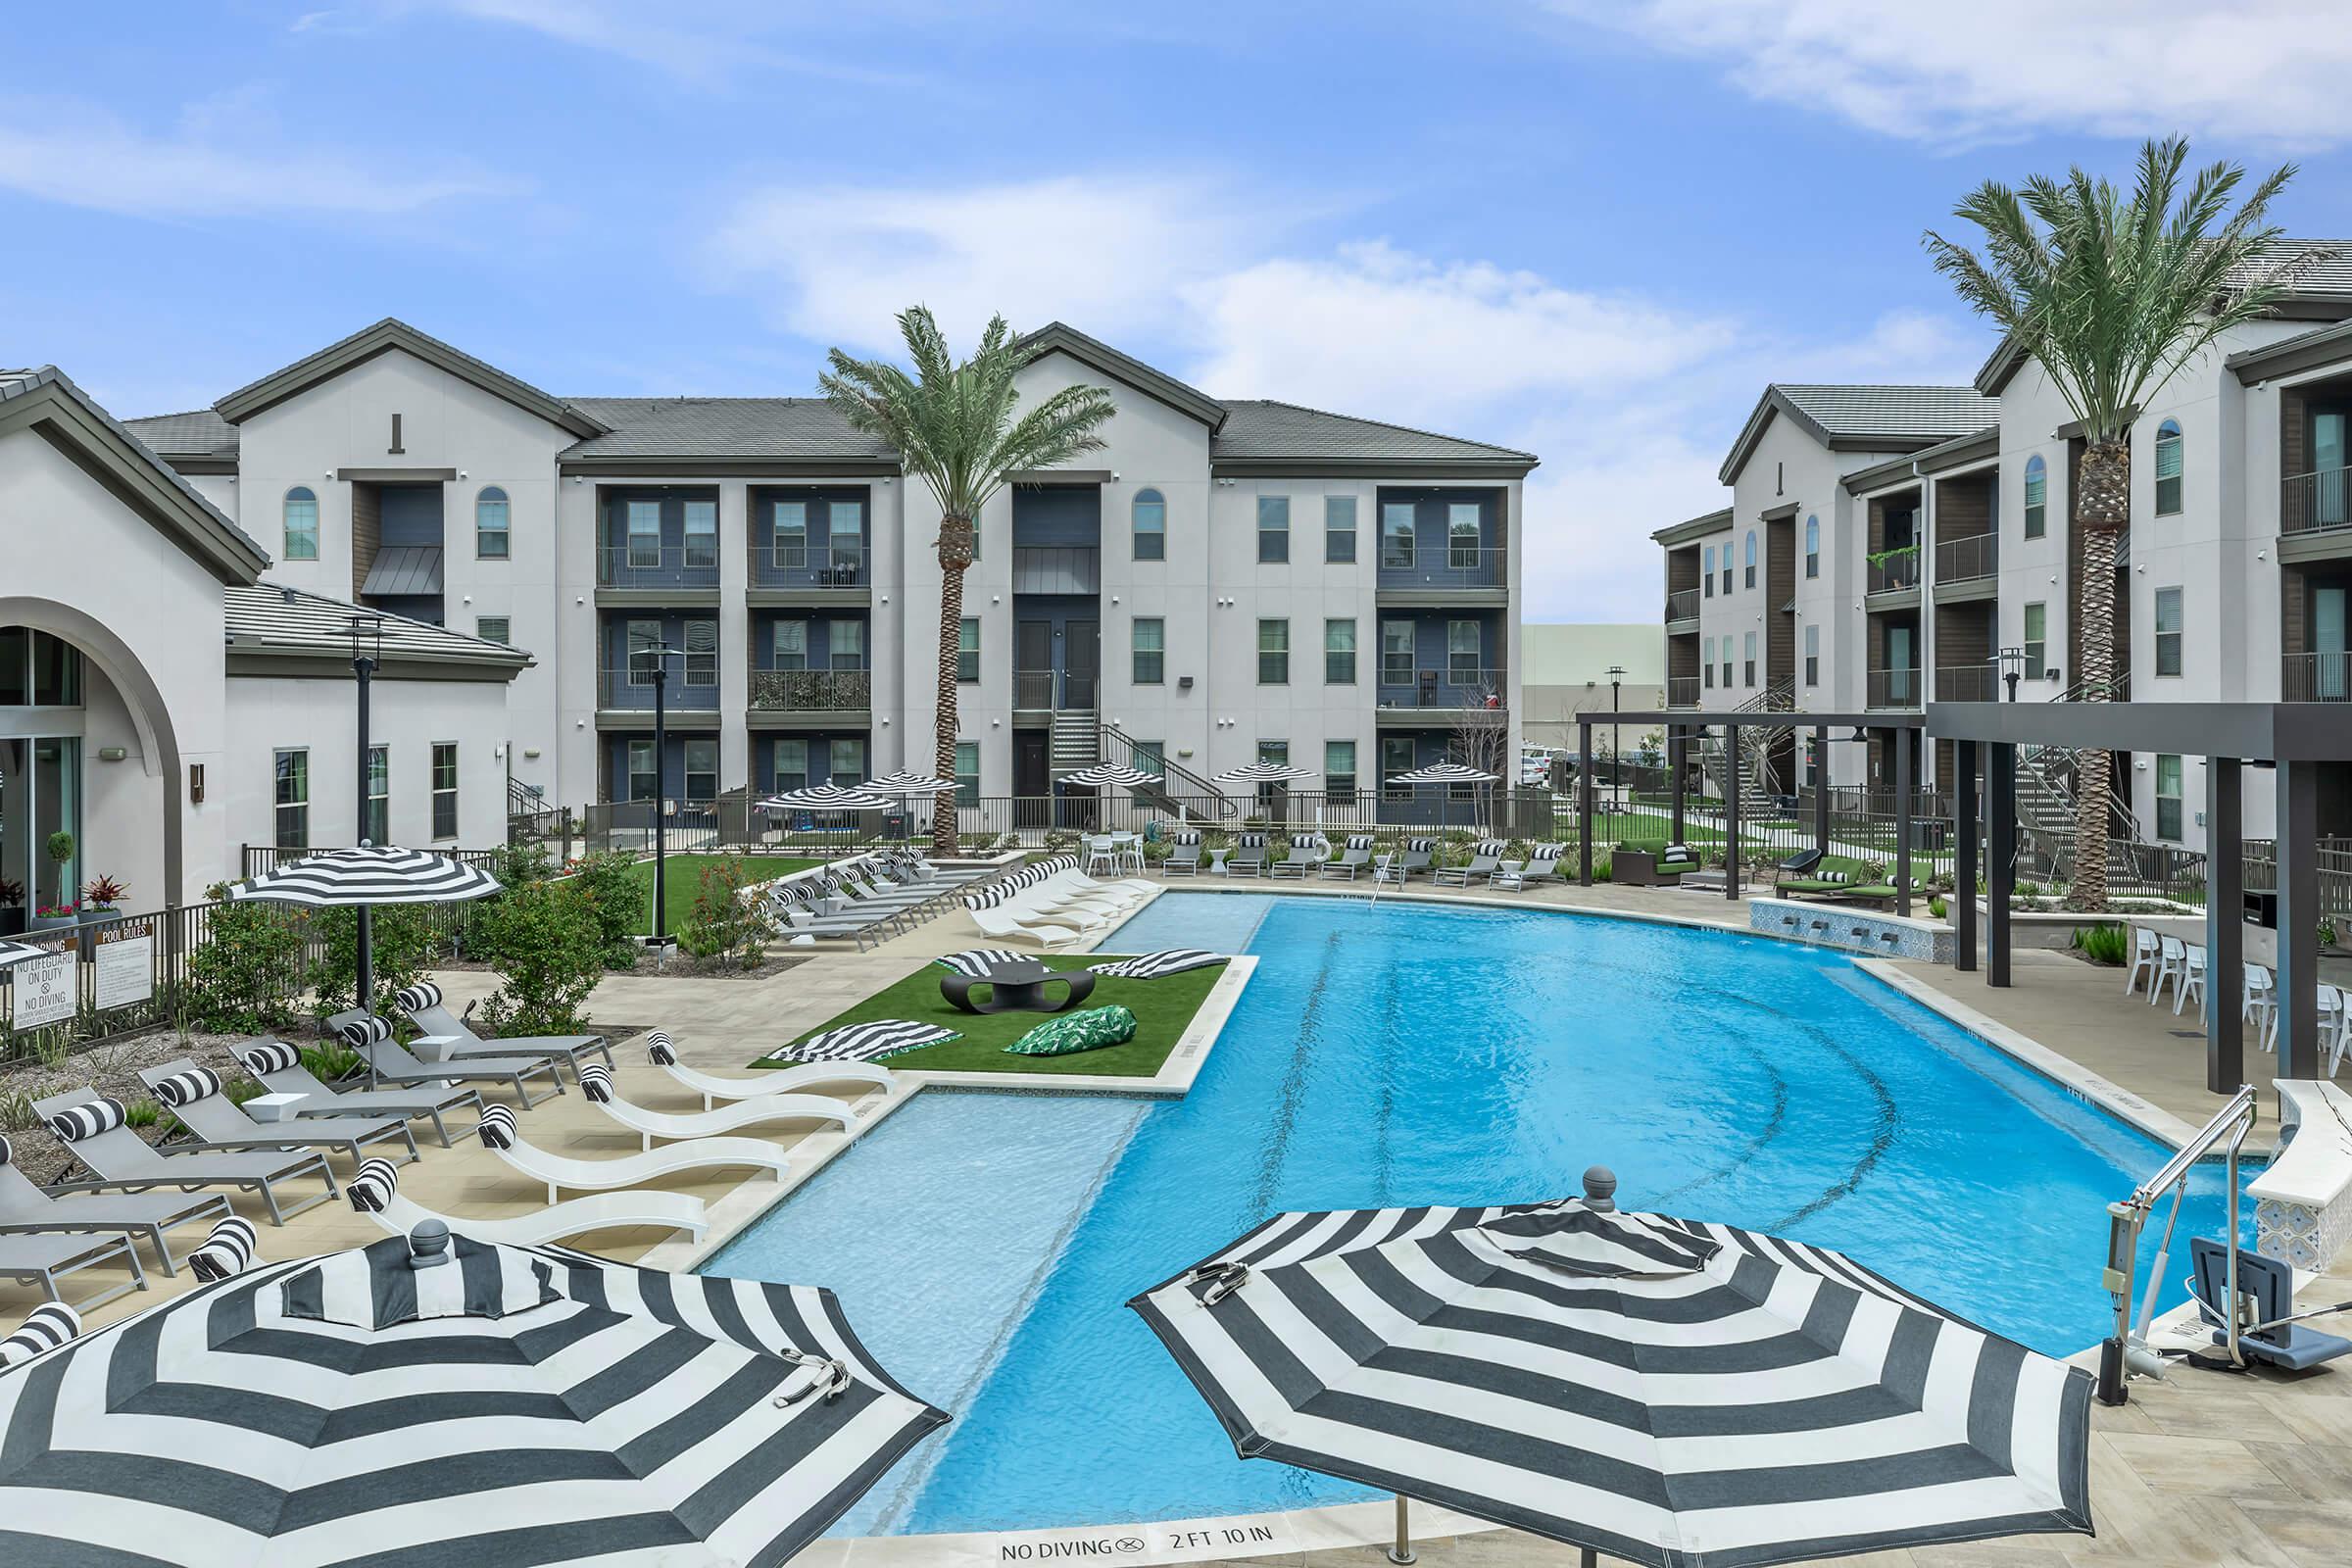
{"x":1019,"y":986}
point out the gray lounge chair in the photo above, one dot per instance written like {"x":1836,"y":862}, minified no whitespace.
{"x":371,"y":1038}
{"x":1184,"y":855}
{"x":1354,"y":859}
{"x":423,"y":1004}
{"x":277,"y":1067}
{"x":1249,"y":857}
{"x":1309,"y":850}
{"x":1485,"y":856}
{"x":193,"y":1095}
{"x":1419,"y":856}
{"x":44,"y":1260}
{"x":26,"y":1209}
{"x":117,"y":1156}
{"x":1544,"y":865}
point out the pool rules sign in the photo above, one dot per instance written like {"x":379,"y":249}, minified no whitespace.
{"x":125,"y":972}
{"x":45,"y":991}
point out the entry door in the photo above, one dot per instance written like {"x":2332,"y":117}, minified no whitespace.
{"x":1032,"y":778}
{"x":2328,"y":642}
{"x":2330,"y":506}
{"x":1082,"y":653}
{"x":1033,"y":665}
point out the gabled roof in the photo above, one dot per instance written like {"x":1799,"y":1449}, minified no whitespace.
{"x":2305,"y":351}
{"x":1698,"y":527}
{"x":1863,"y":418}
{"x":1977,"y":446}
{"x":1262,"y":429}
{"x":1061,"y":337}
{"x":48,"y":401}
{"x":385,"y":336}
{"x":198,"y":433}
{"x":784,"y":428}
{"x":270,"y":620}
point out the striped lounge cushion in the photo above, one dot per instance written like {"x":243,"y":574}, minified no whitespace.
{"x":864,"y":1042}
{"x":187,"y":1087}
{"x":1420,"y":846}
{"x":371,"y":1191}
{"x":269,"y":1056}
{"x":1359,"y":841}
{"x":1549,"y":851}
{"x":660,"y":1049}
{"x":44,"y":1329}
{"x":6,"y":1153}
{"x":1152,"y":966}
{"x":1185,"y":838}
{"x":1836,"y":876}
{"x":86,"y":1120}
{"x":419,"y":997}
{"x":497,"y":1128}
{"x":225,"y":1253}
{"x":977,"y":961}
{"x":364,"y":1031}
{"x":1489,"y":849}
{"x":596,"y":1082}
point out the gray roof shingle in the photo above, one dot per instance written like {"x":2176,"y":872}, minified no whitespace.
{"x":1262,"y":429}
{"x":723,"y":427}
{"x":198,"y":433}
{"x":270,"y":617}
{"x":1865,"y":417}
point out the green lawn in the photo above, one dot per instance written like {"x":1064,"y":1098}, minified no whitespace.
{"x":1162,"y":1010}
{"x":682,"y":878}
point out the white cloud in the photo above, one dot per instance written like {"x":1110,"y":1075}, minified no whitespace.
{"x":703,"y":40}
{"x":2002,"y":70}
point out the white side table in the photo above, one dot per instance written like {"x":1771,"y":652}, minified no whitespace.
{"x":1216,"y":862}
{"x":274,"y":1107}
{"x":434,"y":1048}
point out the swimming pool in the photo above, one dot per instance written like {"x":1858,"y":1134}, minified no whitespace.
{"x":985,"y":1244}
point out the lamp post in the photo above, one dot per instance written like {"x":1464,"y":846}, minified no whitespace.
{"x":1616,"y":741}
{"x":660,"y":653}
{"x":367,"y":652}
{"x":2013,"y":668}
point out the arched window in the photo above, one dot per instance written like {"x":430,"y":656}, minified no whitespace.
{"x":2037,"y":497}
{"x":1748,"y":579}
{"x":1150,"y":526}
{"x":490,"y":521}
{"x":302,"y":525}
{"x":1812,"y":547}
{"x":2168,"y":467}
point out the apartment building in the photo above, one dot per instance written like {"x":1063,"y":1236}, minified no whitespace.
{"x":1943,"y":551}
{"x":1227,"y":581}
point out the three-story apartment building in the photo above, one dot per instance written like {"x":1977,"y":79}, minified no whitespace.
{"x":1227,"y":581}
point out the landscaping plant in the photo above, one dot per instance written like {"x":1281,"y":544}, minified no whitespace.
{"x":549,"y":947}
{"x":59,"y":847}
{"x":2110,"y":945}
{"x":724,"y":928}
{"x":403,"y":943}
{"x":244,"y":976}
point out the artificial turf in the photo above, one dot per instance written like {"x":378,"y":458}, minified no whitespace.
{"x":682,"y":878}
{"x":1164,"y":1009}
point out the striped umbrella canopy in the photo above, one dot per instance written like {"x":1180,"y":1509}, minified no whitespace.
{"x":508,"y":1405}
{"x":1265,"y":773}
{"x":1668,"y":1392}
{"x":1108,"y":774}
{"x":367,"y":875}
{"x":1444,"y":773}
{"x":826,"y":797}
{"x":13,"y":951}
{"x":910,"y":781}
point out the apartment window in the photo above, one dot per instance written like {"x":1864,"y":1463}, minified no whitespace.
{"x":1812,"y":547}
{"x":702,"y":533}
{"x":1461,"y":535}
{"x":302,"y":525}
{"x":790,"y":645}
{"x":1395,"y":652}
{"x":1339,"y":772}
{"x":2167,"y":632}
{"x":1813,"y":654}
{"x":2037,"y":497}
{"x":848,"y":760}
{"x":845,"y":539}
{"x":1726,"y":569}
{"x":967,"y":773}
{"x":2168,"y":797}
{"x":1706,"y":663}
{"x":1275,"y":753}
{"x":378,"y":829}
{"x":1707,"y":576}
{"x":1339,"y":653}
{"x":1273,"y":528}
{"x":1748,"y":655}
{"x":1397,"y":534}
{"x":1273,"y":653}
{"x":788,"y":541}
{"x":1338,"y":530}
{"x":645,"y":533}
{"x":445,"y":789}
{"x":2036,"y":640}
{"x":701,"y":654}
{"x":701,"y":769}
{"x":1396,"y":758}
{"x":846,"y":644}
{"x":1150,"y":525}
{"x":1462,"y":653}
{"x":293,"y":798}
{"x":645,"y":779}
{"x":792,"y":763}
{"x":494,"y":628}
{"x":491,"y":535}
{"x":1149,"y":639}
{"x":2168,"y":467}
{"x":642,"y":644}
{"x":968,"y":650}
{"x":1748,"y":577}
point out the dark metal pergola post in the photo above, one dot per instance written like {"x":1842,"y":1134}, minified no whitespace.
{"x":1820,"y":790}
{"x":2298,"y":920}
{"x":1583,"y":805}
{"x":1731,"y":812}
{"x":2225,"y":925}
{"x":2000,"y":848}
{"x":1964,"y":868}
{"x":1677,"y":758}
{"x":1902,"y":823}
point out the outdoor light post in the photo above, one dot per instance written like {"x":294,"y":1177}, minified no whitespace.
{"x":2013,"y":668}
{"x":1616,"y":741}
{"x":660,"y":653}
{"x":366,"y":650}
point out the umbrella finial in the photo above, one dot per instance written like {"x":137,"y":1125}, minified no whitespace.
{"x":428,"y":1245}
{"x":1600,"y":1189}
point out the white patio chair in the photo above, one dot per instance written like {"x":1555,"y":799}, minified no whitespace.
{"x":2191,"y":978}
{"x":2143,"y":956}
{"x":1102,"y":854}
{"x":2331,"y":1024}
{"x":2172,"y":958}
{"x":2261,"y":1005}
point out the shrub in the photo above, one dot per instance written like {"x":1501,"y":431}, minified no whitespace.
{"x":242,"y":1090}
{"x":2109,"y":945}
{"x":549,"y":944}
{"x":1937,"y":906}
{"x":331,"y":1063}
{"x":620,"y":901}
{"x":723,"y":927}
{"x":244,"y":977}
{"x":142,"y":1113}
{"x":17,"y":1114}
{"x":402,"y":944}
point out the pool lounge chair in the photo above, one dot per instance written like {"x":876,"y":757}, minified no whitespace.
{"x":992,"y":914}
{"x":93,"y":1130}
{"x":791,"y":919}
{"x":277,"y":1067}
{"x":2267,"y":1286}
{"x":555,"y":1172}
{"x":1184,"y":855}
{"x":1419,"y":856}
{"x":1543,"y":865}
{"x":26,"y":1209}
{"x":649,"y":1125}
{"x":1486,"y":857}
{"x":193,"y":1095}
{"x":44,"y":1260}
{"x":663,"y":1053}
{"x":424,"y":1005}
{"x":376,"y":1193}
{"x":1834,"y":876}
{"x":1249,"y":857}
{"x":1354,"y":857}
{"x":371,"y":1038}
{"x":1309,"y":852}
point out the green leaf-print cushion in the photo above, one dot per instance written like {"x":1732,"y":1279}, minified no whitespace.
{"x":1089,"y":1030}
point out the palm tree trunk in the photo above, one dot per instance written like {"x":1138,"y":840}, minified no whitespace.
{"x":955,"y":556}
{"x":2103,"y":510}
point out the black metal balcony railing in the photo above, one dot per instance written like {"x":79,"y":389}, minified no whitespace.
{"x":1894,"y":572}
{"x":1408,"y":563}
{"x":1055,"y":690}
{"x":810,"y":691}
{"x":1457,"y":686}
{"x":1967,"y":560}
{"x":1682,"y":604}
{"x":632,"y":687}
{"x":2316,"y":678}
{"x":668,"y":566}
{"x":792,"y":561}
{"x":1894,"y":688}
{"x":1682,"y":690}
{"x":1968,"y":683}
{"x":2314,"y":503}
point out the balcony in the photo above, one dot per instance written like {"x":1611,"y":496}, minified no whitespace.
{"x":1896,"y":689}
{"x":1457,"y":573}
{"x":630,"y":689}
{"x":1056,"y":569}
{"x":1682,"y":690}
{"x":642,"y":567}
{"x":810,"y":691}
{"x":1893,"y":571}
{"x":1967,"y":683}
{"x":1681,"y":605}
{"x":797,"y":565}
{"x":1442,"y":695}
{"x":1046,"y":690}
{"x":2319,"y":502}
{"x":1966,"y":561}
{"x":2315,"y":679}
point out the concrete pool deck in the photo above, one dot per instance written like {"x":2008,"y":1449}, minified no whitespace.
{"x":2207,"y":1469}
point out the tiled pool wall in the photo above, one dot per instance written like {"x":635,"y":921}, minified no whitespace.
{"x":1829,"y":925}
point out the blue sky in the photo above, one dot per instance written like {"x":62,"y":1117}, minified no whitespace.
{"x":1594,"y":230}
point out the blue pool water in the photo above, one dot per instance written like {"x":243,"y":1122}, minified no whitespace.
{"x":1412,"y":1053}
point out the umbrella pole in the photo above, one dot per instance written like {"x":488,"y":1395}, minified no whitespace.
{"x":1402,"y":1550}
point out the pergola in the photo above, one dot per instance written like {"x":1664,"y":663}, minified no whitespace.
{"x":1683,"y":724}
{"x":2289,"y":738}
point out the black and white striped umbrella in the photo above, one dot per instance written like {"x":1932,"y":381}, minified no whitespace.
{"x":509,"y":1405}
{"x":13,"y":951}
{"x":826,"y":797}
{"x":1265,"y":773}
{"x":367,"y":875}
{"x":908,"y":781}
{"x":1104,"y":775}
{"x":1444,"y":773}
{"x":1665,"y":1391}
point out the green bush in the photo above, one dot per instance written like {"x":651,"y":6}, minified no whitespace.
{"x":1937,"y":906}
{"x":245,"y":975}
{"x":618,"y":900}
{"x":142,"y":1113}
{"x":331,"y":1064}
{"x":402,"y":945}
{"x":723,"y":927}
{"x":17,"y":1114}
{"x":548,"y":942}
{"x":2103,"y":943}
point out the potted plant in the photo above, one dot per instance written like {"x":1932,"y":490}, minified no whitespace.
{"x":101,"y":906}
{"x":11,"y":907}
{"x":59,"y":847}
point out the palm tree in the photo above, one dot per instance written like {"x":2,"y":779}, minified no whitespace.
{"x":961,"y":429}
{"x":2111,"y":296}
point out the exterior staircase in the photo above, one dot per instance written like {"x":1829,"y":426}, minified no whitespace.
{"x":1181,"y":793}
{"x":1076,"y":740}
{"x":1759,"y":782}
{"x":2048,"y":779}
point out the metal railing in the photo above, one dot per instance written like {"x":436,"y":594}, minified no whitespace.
{"x":1443,"y":566}
{"x":1967,"y":559}
{"x":1893,"y":571}
{"x":1055,"y":690}
{"x":632,"y":687}
{"x":668,"y":566}
{"x":2315,"y":501}
{"x":2315,"y":677}
{"x":791,"y":561}
{"x":1456,"y":686}
{"x":1682,"y":604}
{"x":809,"y":691}
{"x":1892,"y":689}
{"x":1682,"y":690}
{"x":1978,"y":682}
{"x":1056,"y":569}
